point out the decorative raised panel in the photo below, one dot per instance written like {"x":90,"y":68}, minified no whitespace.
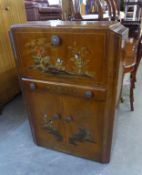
{"x":40,"y":52}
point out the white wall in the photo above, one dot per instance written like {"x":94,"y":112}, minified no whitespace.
{"x":53,"y":1}
{"x":58,"y":1}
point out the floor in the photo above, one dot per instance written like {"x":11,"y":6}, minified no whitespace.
{"x":20,"y":156}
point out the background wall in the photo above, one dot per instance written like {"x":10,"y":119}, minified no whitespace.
{"x":54,"y":1}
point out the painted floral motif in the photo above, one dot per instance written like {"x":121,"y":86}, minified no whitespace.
{"x":40,"y":51}
{"x":81,"y":136}
{"x":52,"y":130}
{"x":78,"y":57}
{"x":36,"y":46}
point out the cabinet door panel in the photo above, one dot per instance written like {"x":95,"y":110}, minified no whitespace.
{"x":84,"y":126}
{"x":65,"y":117}
{"x":73,"y":60}
{"x":45,"y":115}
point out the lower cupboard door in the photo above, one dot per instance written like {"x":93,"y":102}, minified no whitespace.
{"x":45,"y":114}
{"x":64,"y":121}
{"x":84,"y":127}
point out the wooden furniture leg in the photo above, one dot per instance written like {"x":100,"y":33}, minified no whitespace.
{"x":132,"y":86}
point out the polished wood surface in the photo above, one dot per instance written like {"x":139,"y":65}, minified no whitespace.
{"x":11,"y":12}
{"x":71,"y":75}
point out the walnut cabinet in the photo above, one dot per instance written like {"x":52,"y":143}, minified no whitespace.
{"x":71,"y":75}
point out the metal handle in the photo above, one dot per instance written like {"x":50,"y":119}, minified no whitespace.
{"x":88,"y":94}
{"x":55,"y":40}
{"x":32,"y":86}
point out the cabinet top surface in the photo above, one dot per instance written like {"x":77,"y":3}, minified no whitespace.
{"x":71,"y":24}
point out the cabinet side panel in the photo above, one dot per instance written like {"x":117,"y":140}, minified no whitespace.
{"x":113,"y":76}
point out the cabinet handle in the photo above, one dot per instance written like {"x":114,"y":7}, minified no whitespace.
{"x":32,"y":86}
{"x":55,"y":40}
{"x":88,"y":94}
{"x":7,"y":8}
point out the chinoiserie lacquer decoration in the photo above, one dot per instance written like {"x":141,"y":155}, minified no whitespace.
{"x":82,"y":136}
{"x":40,"y":50}
{"x":80,"y":57}
{"x":48,"y":124}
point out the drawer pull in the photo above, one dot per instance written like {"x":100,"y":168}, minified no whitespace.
{"x":68,"y":119}
{"x":56,"y":117}
{"x":55,"y":40}
{"x":88,"y":94}
{"x":32,"y":86}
